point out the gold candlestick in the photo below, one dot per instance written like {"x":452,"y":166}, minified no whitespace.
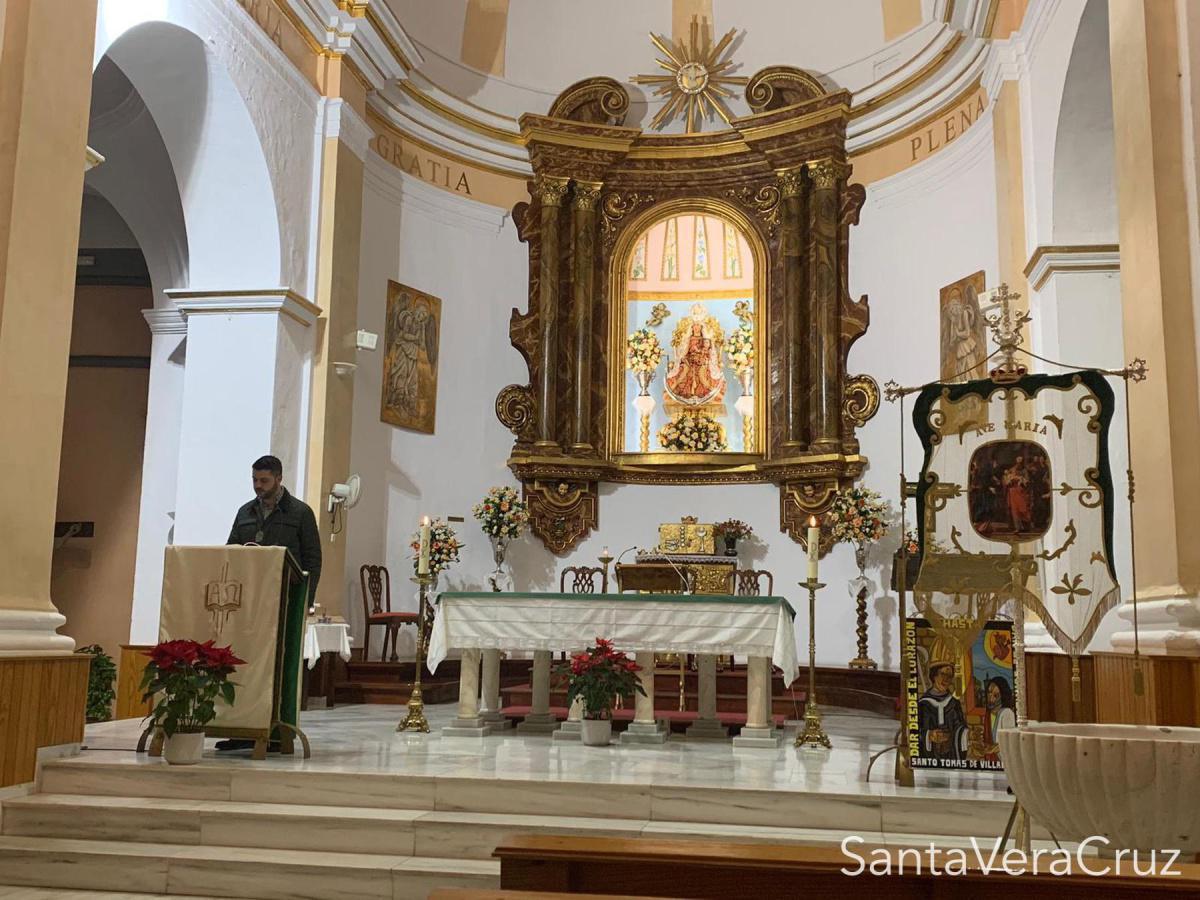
{"x":415,"y":719}
{"x":605,"y":558}
{"x":813,"y":732}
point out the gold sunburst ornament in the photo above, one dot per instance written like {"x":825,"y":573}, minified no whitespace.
{"x":695,"y":85}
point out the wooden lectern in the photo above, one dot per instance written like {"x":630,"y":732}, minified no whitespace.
{"x":254,"y":599}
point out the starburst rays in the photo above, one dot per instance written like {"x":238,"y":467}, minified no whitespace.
{"x":696,"y":83}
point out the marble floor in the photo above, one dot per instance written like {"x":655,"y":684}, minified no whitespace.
{"x":363,"y":739}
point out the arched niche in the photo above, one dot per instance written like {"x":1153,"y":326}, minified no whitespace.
{"x":781,"y":175}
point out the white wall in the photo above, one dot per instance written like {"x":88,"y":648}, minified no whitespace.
{"x":920,"y":231}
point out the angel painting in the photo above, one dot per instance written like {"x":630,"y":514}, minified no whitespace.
{"x":695,"y":376}
{"x":410,"y":358}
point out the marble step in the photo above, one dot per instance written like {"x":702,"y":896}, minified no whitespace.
{"x":232,"y":871}
{"x":458,"y":835}
{"x":957,"y":812}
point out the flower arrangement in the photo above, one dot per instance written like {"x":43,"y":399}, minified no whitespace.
{"x":857,"y":516}
{"x":692,"y":432}
{"x":734,"y":528}
{"x":188,"y":677}
{"x":501,"y":513}
{"x":643,"y":351}
{"x":444,"y":546}
{"x":912,"y":544}
{"x":739,"y":347}
{"x":599,"y":675}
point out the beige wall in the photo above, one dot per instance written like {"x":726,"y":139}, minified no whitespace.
{"x":100,"y":475}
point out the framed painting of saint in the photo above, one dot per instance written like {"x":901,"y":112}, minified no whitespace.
{"x":410,"y":361}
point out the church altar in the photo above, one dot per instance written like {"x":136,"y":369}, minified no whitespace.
{"x":480,"y":625}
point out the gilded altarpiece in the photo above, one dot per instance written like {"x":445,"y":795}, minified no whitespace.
{"x":779,"y":178}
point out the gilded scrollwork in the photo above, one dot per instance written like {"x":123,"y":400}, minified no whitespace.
{"x":860,"y":399}
{"x":595,"y":101}
{"x":516,"y":410}
{"x":778,"y":86}
{"x":763,"y":202}
{"x":562,"y":512}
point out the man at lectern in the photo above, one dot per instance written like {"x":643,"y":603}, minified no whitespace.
{"x":274,"y":518}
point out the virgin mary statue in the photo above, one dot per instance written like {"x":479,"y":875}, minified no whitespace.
{"x":696,"y":376}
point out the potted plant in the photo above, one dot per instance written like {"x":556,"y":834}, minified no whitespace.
{"x":503,"y":516}
{"x":599,"y":675}
{"x":187,"y":677}
{"x":101,"y":677}
{"x":732,"y":531}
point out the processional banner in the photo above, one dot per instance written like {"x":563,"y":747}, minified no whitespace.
{"x":1021,"y":486}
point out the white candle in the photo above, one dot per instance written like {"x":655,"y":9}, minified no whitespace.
{"x":423,"y":559}
{"x":814,"y":546}
{"x":604,"y":554}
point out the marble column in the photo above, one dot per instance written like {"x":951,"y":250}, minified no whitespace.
{"x":45,"y":88}
{"x":758,"y":731}
{"x":644,"y":729}
{"x":270,"y":335}
{"x":707,"y":726}
{"x":1156,"y":133}
{"x":550,"y":191}
{"x":468,"y":723}
{"x":540,"y":720}
{"x":824,"y":335}
{"x":583,"y":222}
{"x":791,"y":184}
{"x":490,"y":709}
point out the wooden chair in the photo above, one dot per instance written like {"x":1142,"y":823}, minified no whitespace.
{"x":377,"y":608}
{"x":583,"y":580}
{"x":749,"y":583}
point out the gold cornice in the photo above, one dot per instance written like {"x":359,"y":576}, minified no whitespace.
{"x":959,"y":98}
{"x":729,"y":294}
{"x":911,"y":81}
{"x":440,"y":109}
{"x":752,"y":132}
{"x":461,"y":143}
{"x":531,"y":134}
{"x":377,"y":120}
{"x":728,"y":147}
{"x":373,"y":18}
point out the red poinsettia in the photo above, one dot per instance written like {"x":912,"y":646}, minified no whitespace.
{"x":599,"y":675}
{"x":186,"y":678}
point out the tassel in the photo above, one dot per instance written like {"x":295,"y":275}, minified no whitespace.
{"x":1139,"y":678}
{"x":1076,"y":681}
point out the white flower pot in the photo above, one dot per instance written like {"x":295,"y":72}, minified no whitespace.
{"x":1138,"y":786}
{"x":184,"y":748}
{"x":596,"y":732}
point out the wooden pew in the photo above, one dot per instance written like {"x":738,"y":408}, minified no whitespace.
{"x":710,"y":869}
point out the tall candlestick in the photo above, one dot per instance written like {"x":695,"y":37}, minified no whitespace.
{"x":814,"y":546}
{"x":423,"y":559}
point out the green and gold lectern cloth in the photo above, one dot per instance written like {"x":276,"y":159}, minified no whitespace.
{"x":253,"y":599}
{"x":718,"y":624}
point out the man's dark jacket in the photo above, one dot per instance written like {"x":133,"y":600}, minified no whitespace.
{"x":291,"y":525}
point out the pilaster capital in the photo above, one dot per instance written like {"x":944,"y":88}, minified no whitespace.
{"x":790,"y":181}
{"x":826,"y":173}
{"x":339,"y":120}
{"x":281,"y":301}
{"x":550,"y":189}
{"x":167,"y":320}
{"x":587,"y":194}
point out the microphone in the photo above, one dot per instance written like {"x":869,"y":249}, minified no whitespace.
{"x":623,"y":552}
{"x":687,"y":583}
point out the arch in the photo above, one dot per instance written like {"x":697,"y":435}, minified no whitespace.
{"x":1085,"y":192}
{"x":226,"y":193}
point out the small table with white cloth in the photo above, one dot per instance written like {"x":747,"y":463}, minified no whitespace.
{"x":320,"y":639}
{"x":481,"y":625}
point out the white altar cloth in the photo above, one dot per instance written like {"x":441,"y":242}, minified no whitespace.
{"x":326,"y":637}
{"x":662,"y":623}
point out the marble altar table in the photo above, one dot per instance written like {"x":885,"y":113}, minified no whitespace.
{"x":480,"y":625}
